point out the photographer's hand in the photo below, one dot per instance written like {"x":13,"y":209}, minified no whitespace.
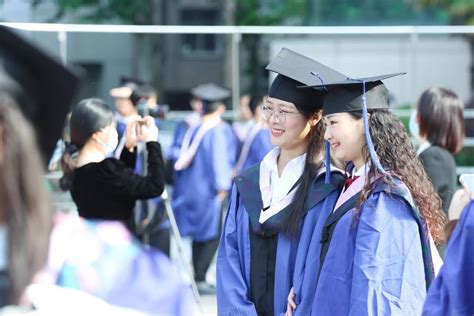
{"x":148,"y":132}
{"x":131,"y":137}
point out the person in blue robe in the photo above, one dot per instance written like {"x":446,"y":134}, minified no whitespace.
{"x":203,"y":178}
{"x":374,"y":256}
{"x":257,"y":142}
{"x":190,"y":121}
{"x":452,"y":290}
{"x":276,"y":204}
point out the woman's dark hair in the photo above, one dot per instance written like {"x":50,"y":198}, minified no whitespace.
{"x":441,"y":117}
{"x":141,"y":92}
{"x":314,"y":154}
{"x":87,"y":117}
{"x":25,"y":201}
{"x":255,"y":101}
{"x":398,"y":155}
{"x":210,"y":107}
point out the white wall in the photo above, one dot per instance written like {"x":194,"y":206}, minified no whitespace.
{"x":429,"y":60}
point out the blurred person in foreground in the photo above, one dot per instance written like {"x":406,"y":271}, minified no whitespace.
{"x":35,"y":92}
{"x":451,"y":292}
{"x":439,"y":127}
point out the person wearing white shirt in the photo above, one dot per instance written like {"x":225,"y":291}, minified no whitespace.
{"x":276,"y":204}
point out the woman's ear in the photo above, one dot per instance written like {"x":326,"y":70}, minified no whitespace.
{"x":315,"y":118}
{"x":97,"y":137}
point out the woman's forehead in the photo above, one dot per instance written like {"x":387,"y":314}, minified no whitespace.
{"x":334,"y":115}
{"x":275,"y":101}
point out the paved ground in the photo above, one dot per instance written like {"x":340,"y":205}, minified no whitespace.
{"x":209,"y":305}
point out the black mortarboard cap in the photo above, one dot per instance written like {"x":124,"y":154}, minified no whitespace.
{"x":210,"y":92}
{"x":125,"y":80}
{"x":41,"y":86}
{"x":346,"y":95}
{"x":293,"y":70}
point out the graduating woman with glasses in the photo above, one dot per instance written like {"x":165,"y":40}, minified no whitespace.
{"x":275,"y":205}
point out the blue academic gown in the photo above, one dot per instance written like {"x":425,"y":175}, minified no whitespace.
{"x":196,"y":204}
{"x":452,"y":291}
{"x":378,"y":265}
{"x":178,"y":136}
{"x":261,"y":145}
{"x":234,"y":295}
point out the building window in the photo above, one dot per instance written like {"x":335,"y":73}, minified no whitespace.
{"x":201,"y":44}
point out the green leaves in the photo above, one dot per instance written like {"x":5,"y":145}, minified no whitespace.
{"x":460,"y":11}
{"x":126,"y":11}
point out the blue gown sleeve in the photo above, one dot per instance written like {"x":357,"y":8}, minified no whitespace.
{"x":388,"y":271}
{"x":307,"y":263}
{"x":233,"y":297}
{"x":451,"y":292}
{"x":222,"y":160}
{"x":174,"y":149}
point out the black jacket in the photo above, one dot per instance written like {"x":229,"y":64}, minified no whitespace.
{"x":441,"y":169}
{"x":108,"y":189}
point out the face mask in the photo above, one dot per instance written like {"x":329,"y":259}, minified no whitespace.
{"x":413,"y":125}
{"x":112,"y":142}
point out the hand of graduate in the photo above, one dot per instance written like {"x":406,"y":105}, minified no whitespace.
{"x":460,"y":200}
{"x":148,"y":132}
{"x":291,"y":306}
{"x":222,"y":195}
{"x":131,"y":137}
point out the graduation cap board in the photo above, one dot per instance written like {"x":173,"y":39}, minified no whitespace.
{"x":128,"y":85}
{"x":355,"y":95}
{"x":293,"y":70}
{"x":347,"y":95}
{"x":210,"y":92}
{"x":41,"y":86}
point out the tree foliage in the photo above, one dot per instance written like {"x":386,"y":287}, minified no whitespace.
{"x":337,"y":12}
{"x":123,"y":11}
{"x":460,"y":11}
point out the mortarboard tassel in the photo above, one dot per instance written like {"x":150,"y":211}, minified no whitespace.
{"x":368,"y":139}
{"x":327,"y":178}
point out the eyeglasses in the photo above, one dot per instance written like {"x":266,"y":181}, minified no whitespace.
{"x":278,"y":114}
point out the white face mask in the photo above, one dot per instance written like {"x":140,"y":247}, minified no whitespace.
{"x":413,"y":125}
{"x":112,"y":142}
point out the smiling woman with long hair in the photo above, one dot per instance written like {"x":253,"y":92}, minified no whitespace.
{"x":377,"y":253}
{"x":276,"y":204}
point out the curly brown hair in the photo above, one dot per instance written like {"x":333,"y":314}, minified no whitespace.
{"x":397,"y":154}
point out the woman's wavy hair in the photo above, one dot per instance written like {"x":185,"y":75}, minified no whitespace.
{"x":25,"y":201}
{"x":314,"y":159}
{"x":398,"y":155}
